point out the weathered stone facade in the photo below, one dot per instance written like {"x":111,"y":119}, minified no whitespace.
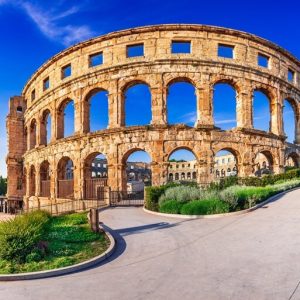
{"x":158,"y":68}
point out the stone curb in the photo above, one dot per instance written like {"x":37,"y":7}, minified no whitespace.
{"x":66,"y":270}
{"x":236,"y":213}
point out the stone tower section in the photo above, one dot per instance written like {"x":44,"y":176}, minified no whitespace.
{"x":16,"y":140}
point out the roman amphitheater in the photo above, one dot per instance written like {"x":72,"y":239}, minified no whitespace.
{"x":44,"y":171}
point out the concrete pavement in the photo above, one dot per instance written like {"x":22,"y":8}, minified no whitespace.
{"x":252,"y":256}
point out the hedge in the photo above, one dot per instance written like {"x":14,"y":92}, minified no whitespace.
{"x":153,"y":193}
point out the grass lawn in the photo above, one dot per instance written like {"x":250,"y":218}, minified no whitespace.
{"x":68,"y":240}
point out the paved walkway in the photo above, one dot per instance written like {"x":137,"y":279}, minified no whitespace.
{"x":5,"y":217}
{"x":252,"y":256}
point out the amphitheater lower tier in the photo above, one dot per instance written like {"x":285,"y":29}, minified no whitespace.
{"x":63,"y":169}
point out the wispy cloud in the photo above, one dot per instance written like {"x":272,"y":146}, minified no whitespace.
{"x":226,"y":121}
{"x":190,"y":117}
{"x":52,"y":22}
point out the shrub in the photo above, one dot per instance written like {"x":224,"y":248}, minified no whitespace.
{"x":181,"y":194}
{"x":171,"y":207}
{"x":223,"y":183}
{"x":19,"y":237}
{"x":204,"y":207}
{"x":210,"y":195}
{"x":152,"y":194}
{"x":229,"y":196}
{"x":35,"y":255}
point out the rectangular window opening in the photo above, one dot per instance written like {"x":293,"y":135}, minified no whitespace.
{"x":226,"y":51}
{"x":46,"y":84}
{"x":32,"y":95}
{"x":96,"y":59}
{"x":135,"y":50}
{"x":181,"y":47}
{"x":263,"y":60}
{"x":291,"y":76}
{"x":66,"y":71}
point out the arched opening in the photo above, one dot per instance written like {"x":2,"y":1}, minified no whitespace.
{"x":96,"y":109}
{"x":65,"y":175}
{"x":46,"y":128}
{"x":137,"y":171}
{"x":181,"y":103}
{"x":225,"y":164}
{"x":137,"y":105}
{"x":32,"y":181}
{"x":45,"y":179}
{"x":292,"y":161}
{"x":263,"y":163}
{"x":224,"y":106}
{"x":95,"y":176}
{"x":26,"y":144}
{"x":66,"y":119}
{"x":261,"y":111}
{"x":289,"y":117}
{"x":33,"y":132}
{"x":182,"y":163}
{"x":24,"y":181}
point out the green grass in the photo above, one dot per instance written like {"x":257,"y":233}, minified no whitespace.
{"x":68,"y":240}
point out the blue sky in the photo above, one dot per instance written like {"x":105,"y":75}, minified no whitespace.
{"x":33,"y":31}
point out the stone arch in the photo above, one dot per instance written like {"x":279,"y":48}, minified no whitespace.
{"x":261,"y":90}
{"x":33,"y":134}
{"x":227,"y":119}
{"x":293,"y":103}
{"x":184,"y":166}
{"x":61,"y":118}
{"x":32,"y":181}
{"x":26,"y":142}
{"x":65,"y":176}
{"x":236,"y":84}
{"x":130,"y":117}
{"x":87,"y":107}
{"x":181,"y":78}
{"x":24,"y":180}
{"x":95,"y":175}
{"x":45,"y":179}
{"x":188,"y":112}
{"x":45,"y":135}
{"x":127,"y":167}
{"x":187,"y":148}
{"x":263,"y":163}
{"x":229,"y":158}
{"x":292,"y":160}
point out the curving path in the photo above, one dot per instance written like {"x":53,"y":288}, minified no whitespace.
{"x":252,"y":256}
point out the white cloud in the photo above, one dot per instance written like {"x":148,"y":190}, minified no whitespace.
{"x":226,"y":121}
{"x":48,"y":23}
{"x":190,"y":117}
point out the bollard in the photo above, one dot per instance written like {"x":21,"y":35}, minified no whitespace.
{"x":94,"y":219}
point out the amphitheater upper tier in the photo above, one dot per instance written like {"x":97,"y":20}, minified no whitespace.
{"x":119,"y":60}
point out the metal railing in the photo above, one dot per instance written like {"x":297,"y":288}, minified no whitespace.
{"x":125,"y":198}
{"x":45,"y":188}
{"x":94,"y":188}
{"x":66,"y":189}
{"x":68,"y":206}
